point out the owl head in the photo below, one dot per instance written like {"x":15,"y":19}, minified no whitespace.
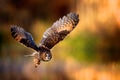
{"x":45,"y":55}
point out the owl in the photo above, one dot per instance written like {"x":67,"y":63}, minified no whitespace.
{"x":56,"y":33}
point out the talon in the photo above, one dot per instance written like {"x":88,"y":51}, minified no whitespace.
{"x":36,"y":62}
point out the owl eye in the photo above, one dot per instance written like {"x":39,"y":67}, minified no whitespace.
{"x":46,"y":56}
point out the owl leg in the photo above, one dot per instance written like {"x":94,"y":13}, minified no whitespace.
{"x":36,"y":58}
{"x":36,"y":62}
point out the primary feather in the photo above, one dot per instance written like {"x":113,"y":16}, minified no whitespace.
{"x":20,"y":35}
{"x":59,"y":30}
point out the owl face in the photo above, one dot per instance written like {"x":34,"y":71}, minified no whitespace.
{"x":43,"y":56}
{"x":46,"y":56}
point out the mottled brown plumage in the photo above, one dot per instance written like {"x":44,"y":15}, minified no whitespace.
{"x":59,"y":30}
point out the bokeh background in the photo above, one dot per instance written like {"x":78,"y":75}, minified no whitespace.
{"x":90,"y":52}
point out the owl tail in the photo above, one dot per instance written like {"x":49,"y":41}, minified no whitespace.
{"x":31,"y":55}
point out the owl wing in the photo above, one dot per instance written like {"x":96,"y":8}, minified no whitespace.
{"x":20,"y":35}
{"x":59,"y":30}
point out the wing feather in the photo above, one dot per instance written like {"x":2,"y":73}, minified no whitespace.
{"x":20,"y":35}
{"x":59,"y":30}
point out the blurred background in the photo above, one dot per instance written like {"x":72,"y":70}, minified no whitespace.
{"x":90,"y":52}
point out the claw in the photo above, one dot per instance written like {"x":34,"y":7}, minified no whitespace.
{"x":36,"y":62}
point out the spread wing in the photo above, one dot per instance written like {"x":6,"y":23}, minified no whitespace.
{"x":20,"y":35}
{"x":59,"y":30}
